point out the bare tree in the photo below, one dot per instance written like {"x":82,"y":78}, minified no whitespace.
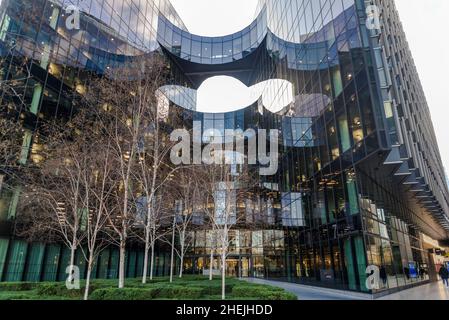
{"x":186,"y":192}
{"x":212,"y":240}
{"x":13,"y":85}
{"x":155,"y":228}
{"x":12,"y":100}
{"x":10,"y":148}
{"x":224,"y":186}
{"x":127,"y":113}
{"x":98,"y":192}
{"x":56,"y":186}
{"x":154,"y":168}
{"x":184,"y":196}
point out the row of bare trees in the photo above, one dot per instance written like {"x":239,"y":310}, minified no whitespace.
{"x":105,"y":178}
{"x":99,"y":166}
{"x":12,"y":87}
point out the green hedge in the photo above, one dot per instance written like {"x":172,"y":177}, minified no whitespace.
{"x":18,"y":286}
{"x":156,"y":292}
{"x":188,"y":288}
{"x":58,"y":289}
{"x":26,"y":295}
{"x":178,"y":292}
{"x":123,"y":294}
{"x":262,"y":292}
{"x":9,"y":295}
{"x":212,"y":288}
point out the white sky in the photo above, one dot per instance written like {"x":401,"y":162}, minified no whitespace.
{"x":215,"y":17}
{"x":425,"y":24}
{"x":218,"y":18}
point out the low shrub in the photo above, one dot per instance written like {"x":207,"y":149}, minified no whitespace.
{"x":277,"y":295}
{"x":168,"y":291}
{"x":212,"y":288}
{"x":11,"y":295}
{"x":262,"y":292}
{"x":245,"y":291}
{"x":123,"y":294}
{"x":232,"y":298}
{"x":58,"y":289}
{"x":187,"y":288}
{"x":156,"y":292}
{"x":190,"y":278}
{"x":18,"y":286}
{"x":138,"y":281}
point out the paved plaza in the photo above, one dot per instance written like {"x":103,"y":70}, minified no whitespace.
{"x":432,"y":291}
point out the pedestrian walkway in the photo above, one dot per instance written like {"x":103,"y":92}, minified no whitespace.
{"x":313,"y":293}
{"x":431,"y":291}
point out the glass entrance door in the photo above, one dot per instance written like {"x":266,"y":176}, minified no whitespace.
{"x":244,"y":270}
{"x":235,"y":266}
{"x":232,"y":267}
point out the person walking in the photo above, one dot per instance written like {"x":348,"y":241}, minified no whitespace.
{"x":383,"y":275}
{"x":444,"y":274}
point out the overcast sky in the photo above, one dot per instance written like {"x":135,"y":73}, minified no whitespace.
{"x":425,"y":23}
{"x":426,"y":26}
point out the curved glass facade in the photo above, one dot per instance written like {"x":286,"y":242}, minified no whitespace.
{"x":351,"y":175}
{"x":212,"y":50}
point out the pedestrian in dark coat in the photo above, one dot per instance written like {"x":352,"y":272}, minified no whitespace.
{"x":444,"y":274}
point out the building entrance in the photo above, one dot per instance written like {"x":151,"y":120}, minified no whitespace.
{"x":232,"y":267}
{"x":238,"y":267}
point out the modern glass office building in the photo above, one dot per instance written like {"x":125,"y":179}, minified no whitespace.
{"x":360,"y":180}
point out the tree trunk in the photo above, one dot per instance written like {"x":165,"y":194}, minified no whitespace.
{"x":181,"y":267}
{"x":148,"y":245}
{"x":223,"y":275}
{"x":182,"y":241}
{"x":172,"y":248}
{"x":224,"y":247}
{"x":145,"y":260}
{"x":121,"y":279}
{"x":2,"y":178}
{"x":72,"y":259}
{"x":172,"y":251}
{"x":89,"y":272}
{"x":152,"y":261}
{"x":73,"y":251}
{"x":145,"y":267}
{"x":211,"y":264}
